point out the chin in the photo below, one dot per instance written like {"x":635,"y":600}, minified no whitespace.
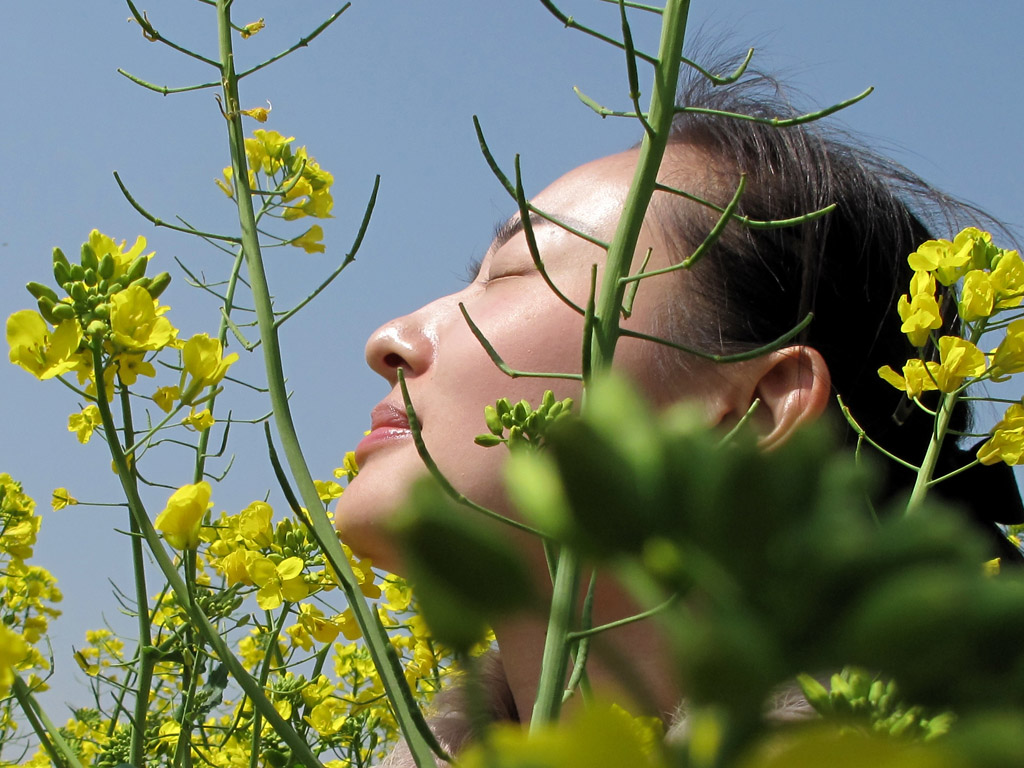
{"x":362,"y":518}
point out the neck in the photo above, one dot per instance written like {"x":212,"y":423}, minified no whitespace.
{"x":629,"y":664}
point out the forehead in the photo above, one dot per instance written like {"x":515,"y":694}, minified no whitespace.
{"x":589,"y":199}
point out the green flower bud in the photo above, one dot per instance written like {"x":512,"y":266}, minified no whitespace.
{"x":488,"y":441}
{"x":106,"y":266}
{"x":102,"y":311}
{"x":96,"y":328}
{"x":503,"y":407}
{"x":46,"y":305}
{"x":493,"y":420}
{"x":137,"y":269}
{"x":89,"y":260}
{"x":60,"y":258}
{"x":63,"y":312}
{"x":38,"y":291}
{"x":90,"y":276}
{"x":79,"y":293}
{"x":520,"y":410}
{"x":77,"y":273}
{"x":158,"y":284}
{"x":61,"y":273}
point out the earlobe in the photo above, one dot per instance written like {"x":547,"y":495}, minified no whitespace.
{"x":794,"y":387}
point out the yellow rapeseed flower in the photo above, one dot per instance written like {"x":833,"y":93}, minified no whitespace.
{"x":204,"y":365}
{"x":200,"y":421}
{"x":183,"y":516}
{"x":83,"y":423}
{"x":311,"y":241}
{"x":62,"y":498}
{"x":42,"y":352}
{"x":1007,"y":441}
{"x":919,"y":310}
{"x":251,"y":29}
{"x":137,"y":323}
{"x":1008,"y":357}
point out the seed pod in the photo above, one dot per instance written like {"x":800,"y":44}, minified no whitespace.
{"x":106,"y":266}
{"x":89,"y":260}
{"x":46,"y":306}
{"x":137,"y":269}
{"x":158,"y":284}
{"x":38,"y":291}
{"x":63,"y":312}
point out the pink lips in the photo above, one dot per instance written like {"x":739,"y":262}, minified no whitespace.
{"x":388,"y":422}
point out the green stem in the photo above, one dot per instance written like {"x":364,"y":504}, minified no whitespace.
{"x":177,"y":583}
{"x":420,"y":740}
{"x":145,"y":658}
{"x":555,"y":661}
{"x":49,"y":735}
{"x":652,"y":150}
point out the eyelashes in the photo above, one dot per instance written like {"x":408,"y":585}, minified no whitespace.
{"x":473,"y":270}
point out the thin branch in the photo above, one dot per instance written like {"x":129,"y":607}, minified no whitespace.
{"x":781,"y":122}
{"x":161,"y":223}
{"x":163,"y":89}
{"x":746,"y":221}
{"x":150,"y":33}
{"x":531,"y":240}
{"x":570,"y":23}
{"x":711,"y":239}
{"x":501,"y":364}
{"x":435,"y":471}
{"x":301,"y":44}
{"x":733,"y":358}
{"x":349,"y":257}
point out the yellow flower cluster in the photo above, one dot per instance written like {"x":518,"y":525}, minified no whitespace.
{"x":111,"y":311}
{"x":292,"y":184}
{"x":992,"y":282}
{"x":28,"y":598}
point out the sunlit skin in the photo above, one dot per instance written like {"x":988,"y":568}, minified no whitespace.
{"x":451,"y":378}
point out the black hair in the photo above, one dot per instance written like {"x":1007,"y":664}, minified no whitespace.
{"x":848,"y":267}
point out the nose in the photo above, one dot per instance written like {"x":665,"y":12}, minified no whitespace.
{"x":405,"y":342}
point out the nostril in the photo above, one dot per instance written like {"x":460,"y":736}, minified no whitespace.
{"x":393,"y":360}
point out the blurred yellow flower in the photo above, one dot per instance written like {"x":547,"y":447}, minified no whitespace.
{"x":62,"y":498}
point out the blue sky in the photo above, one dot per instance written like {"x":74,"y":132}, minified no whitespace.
{"x":391,"y":89}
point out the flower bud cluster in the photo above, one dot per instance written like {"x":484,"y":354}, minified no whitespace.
{"x":526,"y":426}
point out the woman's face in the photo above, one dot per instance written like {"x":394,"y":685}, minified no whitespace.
{"x":451,"y":378}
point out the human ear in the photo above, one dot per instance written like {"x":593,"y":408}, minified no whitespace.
{"x":792,"y":386}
